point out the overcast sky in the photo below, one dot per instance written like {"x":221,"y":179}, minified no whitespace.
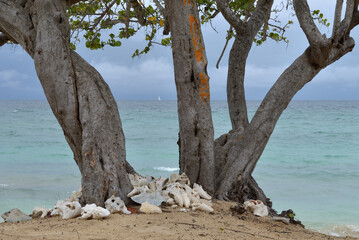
{"x":151,"y":76}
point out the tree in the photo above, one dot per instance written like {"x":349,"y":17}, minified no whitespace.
{"x":244,"y":145}
{"x":79,"y":98}
{"x":196,"y":135}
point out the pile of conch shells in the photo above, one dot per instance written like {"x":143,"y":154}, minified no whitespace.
{"x":256,"y":207}
{"x":150,"y":192}
{"x":71,"y":208}
{"x":175,"y":191}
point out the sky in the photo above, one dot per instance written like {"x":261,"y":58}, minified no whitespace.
{"x":151,"y":76}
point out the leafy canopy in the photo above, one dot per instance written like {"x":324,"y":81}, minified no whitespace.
{"x":103,"y":23}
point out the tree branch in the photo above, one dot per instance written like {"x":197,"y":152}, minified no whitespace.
{"x":346,"y":23}
{"x":337,"y":18}
{"x":108,"y":8}
{"x":355,"y":19}
{"x":228,"y":14}
{"x":159,"y":6}
{"x":16,"y":22}
{"x":127,"y":20}
{"x":138,"y":11}
{"x":260,"y":15}
{"x":307,"y":23}
{"x":166,"y":28}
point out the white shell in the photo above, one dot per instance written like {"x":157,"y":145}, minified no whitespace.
{"x":137,"y":181}
{"x":202,"y":206}
{"x":57,"y":210}
{"x":193,"y":196}
{"x":40,"y":212}
{"x":138,"y":190}
{"x":201,"y":192}
{"x":149,"y":208}
{"x":176,"y":195}
{"x":152,"y":186}
{"x":170,"y":201}
{"x":256,"y":207}
{"x":182,"y":179}
{"x":161,"y":182}
{"x":186,"y":199}
{"x":71,"y":210}
{"x":115,"y":204}
{"x":93,"y":211}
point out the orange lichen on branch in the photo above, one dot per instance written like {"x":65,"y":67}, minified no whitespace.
{"x":196,"y":39}
{"x":204,"y":87}
{"x":93,"y":162}
{"x":187,"y":2}
{"x":91,"y":156}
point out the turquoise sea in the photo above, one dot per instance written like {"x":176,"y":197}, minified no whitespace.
{"x":311,"y":163}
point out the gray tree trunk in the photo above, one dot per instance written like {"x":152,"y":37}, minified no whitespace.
{"x":192,"y":83}
{"x":226,"y":146}
{"x":79,"y":98}
{"x":240,"y":149}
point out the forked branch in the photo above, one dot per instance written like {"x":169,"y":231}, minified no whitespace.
{"x":228,"y":14}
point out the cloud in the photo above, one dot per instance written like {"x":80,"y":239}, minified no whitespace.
{"x":146,"y":79}
{"x":256,"y":76}
{"x":265,"y":76}
{"x":346,"y":75}
{"x":11,"y":78}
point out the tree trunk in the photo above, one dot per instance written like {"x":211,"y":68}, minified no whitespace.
{"x":81,"y":101}
{"x":192,"y":82}
{"x":226,"y":146}
{"x":237,"y":105}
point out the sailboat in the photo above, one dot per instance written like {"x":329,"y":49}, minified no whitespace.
{"x":159,"y":98}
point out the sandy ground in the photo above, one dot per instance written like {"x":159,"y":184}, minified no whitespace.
{"x":171,"y":224}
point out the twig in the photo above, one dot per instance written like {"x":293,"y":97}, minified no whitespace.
{"x":190,"y":224}
{"x":102,"y":15}
{"x":224,"y":48}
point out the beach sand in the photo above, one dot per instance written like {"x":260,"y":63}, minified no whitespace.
{"x":171,"y":224}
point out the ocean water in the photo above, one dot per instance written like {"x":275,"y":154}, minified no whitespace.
{"x":311,"y":163}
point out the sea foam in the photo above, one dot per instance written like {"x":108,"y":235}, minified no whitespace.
{"x":166,"y":169}
{"x":342,"y":230}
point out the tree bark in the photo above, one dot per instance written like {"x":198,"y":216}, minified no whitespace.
{"x":79,"y":98}
{"x":236,"y":99}
{"x":192,"y":84}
